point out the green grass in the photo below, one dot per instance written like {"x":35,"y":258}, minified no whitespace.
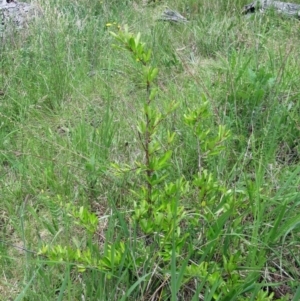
{"x":71,"y":106}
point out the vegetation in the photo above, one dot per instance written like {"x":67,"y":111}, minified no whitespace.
{"x":144,"y":160}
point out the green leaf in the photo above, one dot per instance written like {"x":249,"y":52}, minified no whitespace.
{"x":158,"y":218}
{"x":153,"y":74}
{"x":146,"y":225}
{"x":64,"y":284}
{"x":287,"y":227}
{"x":155,"y":180}
{"x":163,"y":160}
{"x":105,"y":262}
{"x":132,"y":288}
{"x":153,"y":93}
{"x":137,"y":39}
{"x":131,"y":43}
{"x":171,"y":137}
{"x":20,"y":297}
{"x":113,"y":34}
{"x":297,"y":295}
{"x":147,"y":56}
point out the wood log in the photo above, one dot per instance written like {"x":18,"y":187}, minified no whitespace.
{"x":285,"y":8}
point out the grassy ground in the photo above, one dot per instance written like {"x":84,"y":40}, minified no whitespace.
{"x":70,"y":108}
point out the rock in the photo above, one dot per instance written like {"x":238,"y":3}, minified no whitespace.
{"x":16,"y":14}
{"x":288,"y":9}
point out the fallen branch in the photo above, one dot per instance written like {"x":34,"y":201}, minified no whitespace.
{"x":172,"y":16}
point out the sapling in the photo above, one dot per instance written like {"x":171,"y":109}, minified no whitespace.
{"x":158,"y":212}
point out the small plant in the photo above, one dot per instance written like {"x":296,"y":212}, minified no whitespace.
{"x":156,"y":206}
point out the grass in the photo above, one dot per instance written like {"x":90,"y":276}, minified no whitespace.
{"x":71,"y":106}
